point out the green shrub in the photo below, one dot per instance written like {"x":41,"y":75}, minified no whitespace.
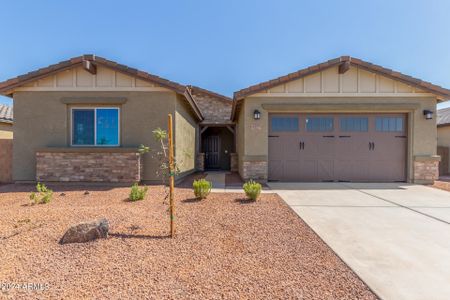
{"x":137,"y":193}
{"x":252,"y":189}
{"x":43,"y":194}
{"x":202,"y":188}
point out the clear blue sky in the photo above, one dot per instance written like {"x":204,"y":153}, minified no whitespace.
{"x":228,"y":45}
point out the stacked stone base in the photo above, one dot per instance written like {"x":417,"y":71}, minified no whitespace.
{"x":426,"y":169}
{"x":256,"y":170}
{"x":82,"y":165}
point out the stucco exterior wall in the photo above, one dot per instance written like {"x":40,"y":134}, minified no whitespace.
{"x":443,"y":138}
{"x":41,"y":120}
{"x":253,"y":134}
{"x":6,"y":131}
{"x":185,"y":137}
{"x":240,"y":138}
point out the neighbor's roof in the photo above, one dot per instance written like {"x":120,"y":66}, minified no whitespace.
{"x":7,"y":87}
{"x":443,"y":117}
{"x":6,"y":113}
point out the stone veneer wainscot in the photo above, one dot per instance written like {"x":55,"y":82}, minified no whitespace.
{"x":88,"y":165}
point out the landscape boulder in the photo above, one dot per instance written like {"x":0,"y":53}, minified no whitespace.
{"x":85,"y":232}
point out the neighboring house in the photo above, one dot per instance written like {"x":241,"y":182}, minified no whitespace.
{"x":83,"y":120}
{"x":443,"y":138}
{"x":6,"y":122}
{"x":342,"y":120}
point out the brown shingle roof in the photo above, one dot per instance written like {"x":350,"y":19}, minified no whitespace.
{"x":6,"y":113}
{"x":7,"y":86}
{"x":199,"y":90}
{"x":426,"y":86}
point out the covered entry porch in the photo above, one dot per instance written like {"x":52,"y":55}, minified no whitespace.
{"x":217,"y":146}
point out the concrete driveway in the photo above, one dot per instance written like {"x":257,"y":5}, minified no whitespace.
{"x":396,"y":237}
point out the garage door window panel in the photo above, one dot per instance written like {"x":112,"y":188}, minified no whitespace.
{"x":389,"y":124}
{"x":354,"y":124}
{"x":319,"y":124}
{"x":284,"y":124}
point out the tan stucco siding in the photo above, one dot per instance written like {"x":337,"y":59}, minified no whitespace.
{"x":185,"y":137}
{"x":42,"y":120}
{"x":443,"y":137}
{"x":240,"y":137}
{"x":6,"y":131}
{"x":422,"y":133}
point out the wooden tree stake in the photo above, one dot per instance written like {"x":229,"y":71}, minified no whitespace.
{"x":171,"y":179}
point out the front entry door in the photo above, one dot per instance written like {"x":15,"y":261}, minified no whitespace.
{"x":211,"y":146}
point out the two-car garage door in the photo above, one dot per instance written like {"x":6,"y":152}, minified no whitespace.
{"x":337,"y":147}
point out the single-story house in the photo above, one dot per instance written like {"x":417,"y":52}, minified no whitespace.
{"x":443,"y":139}
{"x":342,"y":120}
{"x":6,"y":121}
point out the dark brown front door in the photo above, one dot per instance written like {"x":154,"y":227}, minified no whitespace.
{"x":337,"y":147}
{"x":211,"y":146}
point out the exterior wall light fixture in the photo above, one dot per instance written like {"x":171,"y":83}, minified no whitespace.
{"x":428,"y":114}
{"x":256,"y":115}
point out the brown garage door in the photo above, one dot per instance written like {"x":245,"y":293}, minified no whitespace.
{"x":337,"y":147}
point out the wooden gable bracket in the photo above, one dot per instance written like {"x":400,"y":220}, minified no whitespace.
{"x":230,"y":129}
{"x":204,"y":129}
{"x":90,"y":67}
{"x":344,"y":67}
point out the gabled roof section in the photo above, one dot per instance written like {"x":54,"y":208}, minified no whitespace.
{"x":89,"y":62}
{"x":443,"y":117}
{"x":195,"y":89}
{"x":345,"y":62}
{"x":6,"y":114}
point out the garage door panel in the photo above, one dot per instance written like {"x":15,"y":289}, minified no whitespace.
{"x":325,"y":170}
{"x":308,"y":171}
{"x":291,"y":170}
{"x":275,"y":170}
{"x":339,"y":147}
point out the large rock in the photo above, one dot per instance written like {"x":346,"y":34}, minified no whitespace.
{"x":85,"y":232}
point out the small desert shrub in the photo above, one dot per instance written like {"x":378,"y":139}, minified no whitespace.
{"x":202,"y":188}
{"x":252,"y":189}
{"x":137,"y":193}
{"x":43,"y":194}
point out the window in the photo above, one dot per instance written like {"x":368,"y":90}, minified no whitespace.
{"x":284,"y":124}
{"x":320,"y":124}
{"x":95,"y":126}
{"x":352,"y":124}
{"x":389,"y":124}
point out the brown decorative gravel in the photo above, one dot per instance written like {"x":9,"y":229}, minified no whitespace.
{"x":226,"y":248}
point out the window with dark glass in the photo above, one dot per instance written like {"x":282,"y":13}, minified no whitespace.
{"x":319,"y":124}
{"x":354,"y":124}
{"x":284,"y":124}
{"x":95,"y":126}
{"x":389,"y":124}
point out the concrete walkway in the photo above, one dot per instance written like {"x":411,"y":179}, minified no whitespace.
{"x":396,"y":237}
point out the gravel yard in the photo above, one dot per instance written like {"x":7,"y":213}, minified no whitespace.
{"x":226,"y":247}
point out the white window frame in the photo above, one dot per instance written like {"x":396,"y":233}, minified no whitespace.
{"x":94,"y":108}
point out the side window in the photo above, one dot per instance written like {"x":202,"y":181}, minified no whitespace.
{"x":354,"y":124}
{"x":389,"y":124}
{"x":97,"y":126}
{"x":284,"y":124}
{"x":319,"y":124}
